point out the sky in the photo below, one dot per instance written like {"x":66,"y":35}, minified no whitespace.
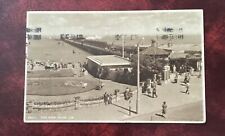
{"x":111,"y":23}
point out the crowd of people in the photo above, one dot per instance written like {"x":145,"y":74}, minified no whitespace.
{"x":53,"y":65}
{"x":107,"y":98}
{"x":56,"y":66}
{"x":149,"y":88}
{"x":186,"y":81}
{"x":127,"y":94}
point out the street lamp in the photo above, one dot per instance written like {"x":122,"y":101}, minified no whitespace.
{"x":123,"y":36}
{"x":138,"y":75}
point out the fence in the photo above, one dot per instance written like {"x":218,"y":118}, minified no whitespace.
{"x":77,"y":103}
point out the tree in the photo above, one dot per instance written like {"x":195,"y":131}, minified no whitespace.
{"x":148,"y":67}
{"x":117,"y":37}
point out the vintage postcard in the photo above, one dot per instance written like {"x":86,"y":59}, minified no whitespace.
{"x":115,"y":66}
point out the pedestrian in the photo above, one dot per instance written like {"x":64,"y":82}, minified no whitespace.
{"x":154,"y":84}
{"x":126,"y":93}
{"x":154,"y":93}
{"x":144,"y":87}
{"x":116,"y":92}
{"x":164,"y":109}
{"x":110,"y":99}
{"x":187,"y":88}
{"x":176,"y":78}
{"x":148,"y":89}
{"x":105,"y":98}
{"x":189,"y":77}
{"x":174,"y":69}
{"x":186,"y":78}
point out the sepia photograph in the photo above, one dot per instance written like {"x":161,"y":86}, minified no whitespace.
{"x":115,"y":67}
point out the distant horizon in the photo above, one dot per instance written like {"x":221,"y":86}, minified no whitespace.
{"x":188,"y":39}
{"x":111,"y":23}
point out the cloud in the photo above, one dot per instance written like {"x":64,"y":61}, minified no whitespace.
{"x":144,"y":23}
{"x":54,"y":21}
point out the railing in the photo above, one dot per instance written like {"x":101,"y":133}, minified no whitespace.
{"x":93,"y":48}
{"x":74,"y":104}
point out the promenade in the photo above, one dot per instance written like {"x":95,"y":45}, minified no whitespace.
{"x":181,"y":106}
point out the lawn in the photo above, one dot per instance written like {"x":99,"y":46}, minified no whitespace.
{"x":55,"y":83}
{"x":59,"y":86}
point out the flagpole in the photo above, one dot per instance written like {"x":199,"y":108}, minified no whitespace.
{"x":138,"y":79}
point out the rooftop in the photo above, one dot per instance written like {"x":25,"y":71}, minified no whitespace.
{"x":109,"y":60}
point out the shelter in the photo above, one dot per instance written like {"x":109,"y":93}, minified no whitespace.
{"x":107,"y":65}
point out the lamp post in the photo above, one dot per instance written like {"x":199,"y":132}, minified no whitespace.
{"x":138,"y":76}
